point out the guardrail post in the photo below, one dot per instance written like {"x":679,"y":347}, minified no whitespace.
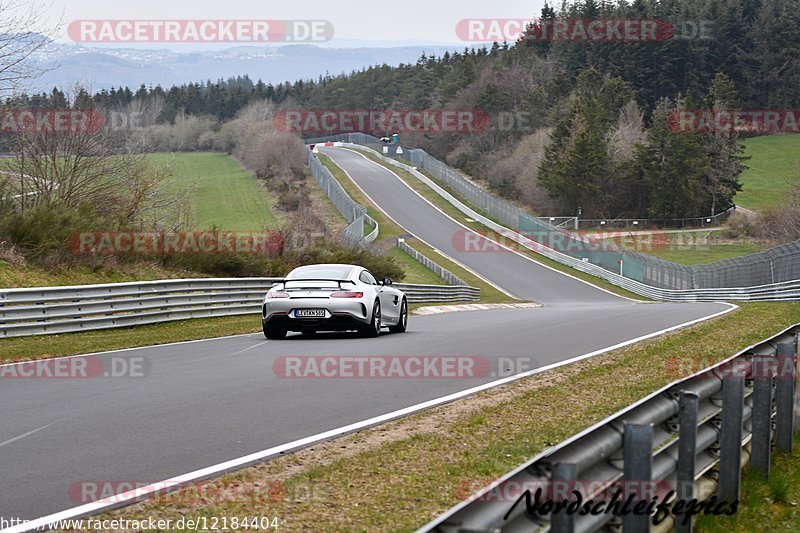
{"x":637,"y":456}
{"x":564,"y":474}
{"x":762,"y":415}
{"x":784,"y":397}
{"x":687,"y":451}
{"x":730,"y":440}
{"x":796,"y":385}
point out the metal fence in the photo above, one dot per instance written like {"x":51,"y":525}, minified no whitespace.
{"x":778,"y":265}
{"x":639,"y":273}
{"x":653,"y":223}
{"x":48,"y":310}
{"x":691,"y":437}
{"x":497,"y":208}
{"x":440,"y":271}
{"x":773,"y":266}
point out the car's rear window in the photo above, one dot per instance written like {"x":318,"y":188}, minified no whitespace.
{"x":320,"y":272}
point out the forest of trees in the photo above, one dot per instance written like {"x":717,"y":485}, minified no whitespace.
{"x":595,"y":134}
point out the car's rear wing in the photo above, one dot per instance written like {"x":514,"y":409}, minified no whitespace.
{"x":339,"y":281}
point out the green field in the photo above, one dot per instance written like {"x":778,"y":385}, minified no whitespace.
{"x":775,"y":159}
{"x":686,"y":248}
{"x":708,"y":253}
{"x":220,"y":192}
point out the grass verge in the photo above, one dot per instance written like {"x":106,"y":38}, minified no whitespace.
{"x":693,"y":247}
{"x":772,"y":505}
{"x":774,"y":161}
{"x":398,"y":476}
{"x":387,"y":229}
{"x":708,"y":253}
{"x":46,"y":346}
{"x":36,"y":276}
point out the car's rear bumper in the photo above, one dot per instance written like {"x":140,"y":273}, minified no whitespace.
{"x":342,"y":314}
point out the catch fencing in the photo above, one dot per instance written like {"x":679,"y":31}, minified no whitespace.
{"x":775,"y":266}
{"x":601,"y":260}
{"x":48,"y":310}
{"x":653,"y":223}
{"x":692,"y":437}
{"x":772,"y":266}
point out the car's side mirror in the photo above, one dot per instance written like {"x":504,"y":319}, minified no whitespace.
{"x":387,"y":281}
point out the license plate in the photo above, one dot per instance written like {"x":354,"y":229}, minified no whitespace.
{"x":309,"y":313}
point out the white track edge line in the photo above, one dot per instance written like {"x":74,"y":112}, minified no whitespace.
{"x":127,"y":349}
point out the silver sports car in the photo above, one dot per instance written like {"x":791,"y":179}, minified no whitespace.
{"x":333,"y":298}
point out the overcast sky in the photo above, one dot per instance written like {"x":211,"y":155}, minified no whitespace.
{"x":409,"y":20}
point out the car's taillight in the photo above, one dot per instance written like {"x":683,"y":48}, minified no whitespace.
{"x":277,"y":295}
{"x":347,"y":294}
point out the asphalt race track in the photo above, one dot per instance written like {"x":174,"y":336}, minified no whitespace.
{"x":205,"y":402}
{"x":516,"y":274}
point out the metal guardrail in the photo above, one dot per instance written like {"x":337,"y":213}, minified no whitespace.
{"x":48,"y":310}
{"x":784,"y":291}
{"x":428,"y":263}
{"x":349,"y":208}
{"x":418,"y":293}
{"x":692,"y":437}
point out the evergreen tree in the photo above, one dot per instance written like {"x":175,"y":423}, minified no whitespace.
{"x":723,"y":148}
{"x":576,"y":161}
{"x":674,"y":166}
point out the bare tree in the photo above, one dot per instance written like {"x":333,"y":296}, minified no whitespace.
{"x":23,"y":31}
{"x":92,"y":166}
{"x":628,"y":132}
{"x":516,"y":170}
{"x":781,"y":223}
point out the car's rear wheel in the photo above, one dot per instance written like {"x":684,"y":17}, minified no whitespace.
{"x":273,"y":333}
{"x":374,"y":328}
{"x":402,"y":323}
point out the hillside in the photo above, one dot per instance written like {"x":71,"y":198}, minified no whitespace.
{"x":774,"y":160}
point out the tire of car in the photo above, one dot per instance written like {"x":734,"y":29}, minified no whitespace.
{"x":374,"y":328}
{"x":402,"y":324}
{"x":273,"y":333}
